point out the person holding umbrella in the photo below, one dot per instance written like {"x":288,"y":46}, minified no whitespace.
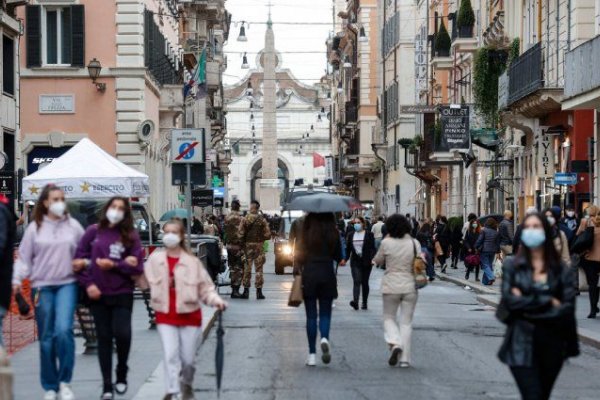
{"x":360,"y":250}
{"x":178,"y":284}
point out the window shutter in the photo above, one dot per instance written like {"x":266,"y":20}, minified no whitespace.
{"x":34,"y":38}
{"x":67,"y":36}
{"x":78,"y":36}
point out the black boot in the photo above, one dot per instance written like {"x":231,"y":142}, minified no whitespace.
{"x":467,"y":274}
{"x":364,"y":306}
{"x":235,"y":292}
{"x":454,"y":265}
{"x":246,"y":294}
{"x":259,"y":294}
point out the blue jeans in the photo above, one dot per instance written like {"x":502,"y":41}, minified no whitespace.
{"x":54,"y":311}
{"x":2,"y":314}
{"x":429,"y":267}
{"x":310,"y":304}
{"x":487,"y":261}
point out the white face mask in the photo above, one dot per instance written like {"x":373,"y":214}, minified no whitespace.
{"x":571,"y":214}
{"x":551,"y":220}
{"x":171,"y":240}
{"x":114,"y":216}
{"x":58,"y":208}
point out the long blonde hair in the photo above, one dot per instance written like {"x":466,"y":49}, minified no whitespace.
{"x":179,"y":224}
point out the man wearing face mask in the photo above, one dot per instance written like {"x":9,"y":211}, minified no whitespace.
{"x":571,"y":223}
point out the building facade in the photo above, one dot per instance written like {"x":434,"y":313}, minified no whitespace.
{"x":302,"y":132}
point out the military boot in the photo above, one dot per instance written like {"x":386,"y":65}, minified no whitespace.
{"x":246,"y":294}
{"x":235,"y":292}
{"x":259,"y":294}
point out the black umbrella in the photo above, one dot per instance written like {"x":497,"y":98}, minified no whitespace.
{"x":219,"y":354}
{"x":324,"y":203}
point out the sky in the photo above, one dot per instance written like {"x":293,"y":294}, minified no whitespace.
{"x":307,"y":67}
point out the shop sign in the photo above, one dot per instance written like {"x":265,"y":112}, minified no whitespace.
{"x":565,"y":178}
{"x":455,"y":128}
{"x":545,"y":157}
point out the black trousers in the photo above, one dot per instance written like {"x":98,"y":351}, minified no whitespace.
{"x":536,"y":382}
{"x":456,"y":253}
{"x":591,"y":269}
{"x":360,"y":276}
{"x":112,"y":317}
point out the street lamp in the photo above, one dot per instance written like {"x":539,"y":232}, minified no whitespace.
{"x":94,"y":67}
{"x":245,"y":64}
{"x":362,"y":36}
{"x":347,"y":63}
{"x":242,"y":36}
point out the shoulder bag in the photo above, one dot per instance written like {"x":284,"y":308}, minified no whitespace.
{"x":584,"y":241}
{"x":418,"y":269}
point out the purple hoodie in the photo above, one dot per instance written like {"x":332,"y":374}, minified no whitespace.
{"x":106,"y":243}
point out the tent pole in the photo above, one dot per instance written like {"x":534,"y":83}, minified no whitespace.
{"x":188,"y":200}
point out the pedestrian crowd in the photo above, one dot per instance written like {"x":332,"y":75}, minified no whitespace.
{"x":537,"y":263}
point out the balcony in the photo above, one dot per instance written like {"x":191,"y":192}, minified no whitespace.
{"x":582,"y":84}
{"x":465,"y":44}
{"x":171,"y":99}
{"x":442,"y":62}
{"x":359,"y":163}
{"x":535,"y":85}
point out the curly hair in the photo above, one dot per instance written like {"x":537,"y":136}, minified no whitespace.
{"x":397,"y":226}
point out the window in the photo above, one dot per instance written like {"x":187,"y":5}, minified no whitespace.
{"x":55,"y":35}
{"x":8,"y":71}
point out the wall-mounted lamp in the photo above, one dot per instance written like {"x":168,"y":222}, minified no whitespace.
{"x":94,"y":68}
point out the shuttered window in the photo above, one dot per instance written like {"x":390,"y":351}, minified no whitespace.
{"x":8,"y":67}
{"x":55,"y":35}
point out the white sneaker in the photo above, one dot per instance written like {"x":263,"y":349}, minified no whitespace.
{"x":326,"y":349}
{"x":312,"y":360}
{"x":50,"y":395}
{"x":65,"y":392}
{"x":404,"y":364}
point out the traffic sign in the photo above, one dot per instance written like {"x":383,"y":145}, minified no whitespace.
{"x":187,"y":146}
{"x":219,"y":191}
{"x":565,"y":178}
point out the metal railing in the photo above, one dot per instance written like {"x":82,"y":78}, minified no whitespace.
{"x":525,"y":74}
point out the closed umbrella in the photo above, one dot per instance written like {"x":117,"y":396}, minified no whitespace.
{"x":174,"y":213}
{"x":324,"y":203}
{"x":219,"y":354}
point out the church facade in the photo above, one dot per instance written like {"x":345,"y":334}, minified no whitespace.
{"x":302,"y":128}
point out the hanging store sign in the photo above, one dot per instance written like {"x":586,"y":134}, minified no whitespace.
{"x":455,"y":128}
{"x":329,"y":167}
{"x":418,"y":109}
{"x":421,"y":62}
{"x":565,"y":178}
{"x":545,"y":157}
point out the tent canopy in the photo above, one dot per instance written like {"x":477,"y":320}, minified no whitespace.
{"x":88,"y":172}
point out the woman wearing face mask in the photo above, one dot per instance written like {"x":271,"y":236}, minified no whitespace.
{"x":45,"y":257}
{"x":109,"y":257}
{"x":590,"y":260}
{"x":178,"y":284}
{"x":558,"y":236}
{"x":472,"y":259}
{"x":360,"y":249}
{"x":538,"y":306}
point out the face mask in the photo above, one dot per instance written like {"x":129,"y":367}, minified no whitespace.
{"x":570,"y":214}
{"x":114,"y":216}
{"x":358,"y":227}
{"x":533,"y":237}
{"x":171,"y":240}
{"x":58,"y":208}
{"x":551,"y":220}
{"x":474,"y":225}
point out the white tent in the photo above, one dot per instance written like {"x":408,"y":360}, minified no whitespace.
{"x":88,"y":172}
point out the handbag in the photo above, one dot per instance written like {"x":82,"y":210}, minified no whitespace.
{"x":419,"y":269}
{"x":502,"y":313}
{"x":584,"y":241}
{"x":473,"y":260}
{"x":438,"y":249}
{"x":296,"y":296}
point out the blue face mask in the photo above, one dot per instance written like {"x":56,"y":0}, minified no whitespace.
{"x":358,"y":227}
{"x":533,"y":237}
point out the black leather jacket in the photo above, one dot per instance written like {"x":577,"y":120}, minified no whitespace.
{"x":534,"y":307}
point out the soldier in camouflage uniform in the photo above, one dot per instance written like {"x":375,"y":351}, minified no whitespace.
{"x":255,"y":230}
{"x":235,"y":252}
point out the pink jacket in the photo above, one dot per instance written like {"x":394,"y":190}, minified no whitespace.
{"x":192,"y":283}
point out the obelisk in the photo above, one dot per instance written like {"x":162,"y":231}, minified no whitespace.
{"x":269,"y":184}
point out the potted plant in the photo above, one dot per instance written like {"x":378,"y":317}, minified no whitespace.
{"x":466,"y":19}
{"x":442,"y":42}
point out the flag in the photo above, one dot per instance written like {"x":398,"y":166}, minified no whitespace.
{"x":192,"y":81}
{"x":201,"y":91}
{"x":318,"y":160}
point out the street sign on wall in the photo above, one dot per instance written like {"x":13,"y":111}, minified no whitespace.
{"x":565,"y":178}
{"x":187,"y":146}
{"x":455,"y":128}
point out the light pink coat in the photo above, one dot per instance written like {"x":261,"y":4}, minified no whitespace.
{"x":193,"y":284}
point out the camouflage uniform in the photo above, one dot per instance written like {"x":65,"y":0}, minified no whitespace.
{"x":255,"y":230}
{"x":235,"y":253}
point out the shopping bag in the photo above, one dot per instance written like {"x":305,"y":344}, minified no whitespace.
{"x":296,"y":296}
{"x":497,"y":268}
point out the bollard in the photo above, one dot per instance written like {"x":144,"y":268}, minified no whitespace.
{"x":6,"y":376}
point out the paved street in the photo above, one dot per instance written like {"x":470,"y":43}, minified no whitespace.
{"x":455,"y":342}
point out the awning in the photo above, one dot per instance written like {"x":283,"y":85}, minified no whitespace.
{"x":485,"y":138}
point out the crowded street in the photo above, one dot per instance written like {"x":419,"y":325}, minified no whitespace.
{"x":456,"y":339}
